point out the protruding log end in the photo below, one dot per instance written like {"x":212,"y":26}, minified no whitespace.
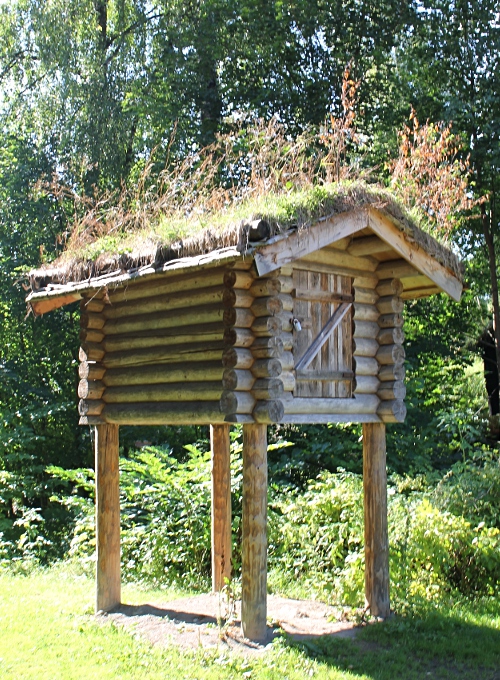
{"x":392,"y":411}
{"x":271,"y":411}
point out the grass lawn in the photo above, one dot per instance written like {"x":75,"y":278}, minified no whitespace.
{"x":47,"y":632}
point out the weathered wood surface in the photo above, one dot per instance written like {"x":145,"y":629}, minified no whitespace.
{"x":152,"y":375}
{"x":392,"y":411}
{"x":164,"y":319}
{"x":108,"y":586}
{"x":362,"y":403}
{"x":164,"y":413}
{"x":375,"y":514}
{"x":254,"y":533}
{"x":301,"y":243}
{"x":271,"y":411}
{"x":178,"y":392}
{"x":196,"y":297}
{"x":421,"y":260}
{"x":221,"y":506}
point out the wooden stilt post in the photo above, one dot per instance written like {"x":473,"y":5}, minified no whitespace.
{"x":107,"y":486}
{"x":221,"y":506}
{"x":254,"y":533}
{"x":375,"y":508}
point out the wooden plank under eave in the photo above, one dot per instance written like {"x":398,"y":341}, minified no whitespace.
{"x":421,"y":260}
{"x":45,"y":305}
{"x":300,"y":243}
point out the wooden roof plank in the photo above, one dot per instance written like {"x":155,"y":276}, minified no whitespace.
{"x":300,"y":243}
{"x":421,"y":260}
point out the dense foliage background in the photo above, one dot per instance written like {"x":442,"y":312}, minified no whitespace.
{"x":96,"y":90}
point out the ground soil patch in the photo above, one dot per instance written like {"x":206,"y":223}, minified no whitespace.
{"x":209,"y":621}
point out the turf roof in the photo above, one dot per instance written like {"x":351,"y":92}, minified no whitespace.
{"x":164,"y":240}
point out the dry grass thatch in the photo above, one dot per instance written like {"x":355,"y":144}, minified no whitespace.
{"x":294,"y":210}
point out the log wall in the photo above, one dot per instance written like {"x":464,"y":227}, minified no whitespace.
{"x":222,"y":346}
{"x":151,"y":352}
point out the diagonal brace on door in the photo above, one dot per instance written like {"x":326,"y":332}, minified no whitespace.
{"x":323,"y":336}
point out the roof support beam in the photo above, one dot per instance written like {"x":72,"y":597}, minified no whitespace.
{"x":282,"y":251}
{"x":423,"y":262}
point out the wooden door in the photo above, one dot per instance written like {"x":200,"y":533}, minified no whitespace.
{"x":322,"y":335}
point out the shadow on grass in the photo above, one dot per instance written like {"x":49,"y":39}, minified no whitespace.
{"x":434,"y":646}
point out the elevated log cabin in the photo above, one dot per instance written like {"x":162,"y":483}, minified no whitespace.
{"x":303,"y":326}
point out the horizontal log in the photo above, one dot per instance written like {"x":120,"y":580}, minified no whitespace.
{"x":392,"y":372}
{"x":310,"y":295}
{"x":397,"y":269}
{"x":176,"y":392}
{"x":266,"y":389}
{"x":268,"y":411}
{"x":90,"y":408}
{"x":91,"y":351}
{"x":193,"y":352}
{"x":286,"y":284}
{"x":389,"y":391}
{"x":165,"y":413}
{"x":267,"y":306}
{"x":267,"y":348}
{"x":91,"y":335}
{"x":266,"y":326}
{"x":153,"y":375}
{"x":167,"y":283}
{"x":238,"y":418}
{"x":389,"y":287}
{"x":92,"y":420}
{"x":367,"y":296}
{"x":287,"y":302}
{"x":390,"y":336}
{"x":364,"y":280}
{"x":287,"y":361}
{"x":236,"y":357}
{"x":326,"y":418}
{"x":390,"y":305}
{"x":365,"y":366}
{"x":239,"y":317}
{"x":287,"y":340}
{"x":268,"y":287}
{"x":238,"y":337}
{"x":267,"y":368}
{"x":164,"y":339}
{"x":325,"y":375}
{"x":93,"y":389}
{"x":340,"y":259}
{"x":93,"y":321}
{"x":236,"y":402}
{"x":390,"y":354}
{"x":88,"y":370}
{"x":422,"y":292}
{"x":390,"y":321}
{"x":161,"y":320}
{"x":165,"y":302}
{"x":238,"y":279}
{"x":364,"y":312}
{"x":362,"y":403}
{"x":286,"y":319}
{"x":362,"y":275}
{"x":366,"y":329}
{"x":365,"y":347}
{"x":92,"y":305}
{"x":236,"y":379}
{"x":234,"y":297}
{"x":367,"y":245}
{"x":366,"y":384}
{"x":392,"y":411}
{"x":288,"y":380}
